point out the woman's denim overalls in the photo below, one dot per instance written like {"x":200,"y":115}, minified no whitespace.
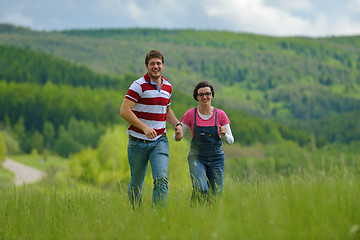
{"x":206,"y":161}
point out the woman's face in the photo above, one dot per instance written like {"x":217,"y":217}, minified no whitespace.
{"x":204,"y":95}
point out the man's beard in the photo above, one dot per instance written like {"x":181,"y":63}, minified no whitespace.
{"x":154,"y":77}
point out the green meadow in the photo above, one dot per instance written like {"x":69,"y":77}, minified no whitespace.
{"x":302,"y":205}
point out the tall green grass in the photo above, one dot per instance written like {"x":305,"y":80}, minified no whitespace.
{"x":6,"y":177}
{"x":303,"y":205}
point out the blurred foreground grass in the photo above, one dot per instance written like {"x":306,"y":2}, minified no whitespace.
{"x":303,"y":205}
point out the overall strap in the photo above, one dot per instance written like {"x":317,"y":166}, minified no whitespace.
{"x":195,"y":115}
{"x":215,"y":116}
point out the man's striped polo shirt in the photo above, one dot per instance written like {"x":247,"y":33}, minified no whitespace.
{"x":150,"y":105}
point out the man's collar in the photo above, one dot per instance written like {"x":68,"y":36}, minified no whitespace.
{"x":149,"y":80}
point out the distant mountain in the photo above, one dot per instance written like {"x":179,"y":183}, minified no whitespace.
{"x":49,"y":103}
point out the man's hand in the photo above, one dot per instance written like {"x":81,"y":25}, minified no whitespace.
{"x":222,"y":130}
{"x":178,"y":133}
{"x":150,"y":133}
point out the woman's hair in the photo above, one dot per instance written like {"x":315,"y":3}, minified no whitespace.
{"x":202,"y":85}
{"x":154,"y":54}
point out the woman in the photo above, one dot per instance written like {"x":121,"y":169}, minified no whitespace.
{"x":206,"y":157}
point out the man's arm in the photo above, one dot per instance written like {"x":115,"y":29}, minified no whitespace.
{"x":171,"y":118}
{"x":130,"y":117}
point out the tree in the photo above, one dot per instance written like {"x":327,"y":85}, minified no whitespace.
{"x":34,"y":141}
{"x":49,"y":134}
{"x":12,"y":144}
{"x":66,"y":144}
{"x":108,"y":163}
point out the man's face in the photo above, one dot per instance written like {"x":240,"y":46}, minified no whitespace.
{"x":154,"y":68}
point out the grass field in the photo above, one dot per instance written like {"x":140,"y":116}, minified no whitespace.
{"x":317,"y":205}
{"x":40,"y":162}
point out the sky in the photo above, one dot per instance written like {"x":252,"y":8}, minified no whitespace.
{"x":308,"y":18}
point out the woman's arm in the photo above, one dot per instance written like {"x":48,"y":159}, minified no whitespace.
{"x":228,"y":135}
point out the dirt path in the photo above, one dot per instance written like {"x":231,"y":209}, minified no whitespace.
{"x":23,"y":174}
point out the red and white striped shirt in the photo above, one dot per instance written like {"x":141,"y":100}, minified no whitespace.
{"x":150,"y":105}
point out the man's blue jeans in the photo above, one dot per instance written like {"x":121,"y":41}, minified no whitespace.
{"x":139,"y":153}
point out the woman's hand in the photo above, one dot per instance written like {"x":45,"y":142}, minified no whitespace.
{"x":222,"y":130}
{"x":178,"y":133}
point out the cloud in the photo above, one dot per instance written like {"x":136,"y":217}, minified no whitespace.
{"x":344,"y":25}
{"x":290,"y":5}
{"x":354,"y":6}
{"x":151,"y":13}
{"x":256,"y":16}
{"x":17,"y":19}
{"x":16,"y":16}
{"x":268,"y":17}
{"x":120,"y":8}
{"x":287,"y":17}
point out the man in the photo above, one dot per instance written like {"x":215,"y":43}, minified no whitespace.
{"x":146,"y":107}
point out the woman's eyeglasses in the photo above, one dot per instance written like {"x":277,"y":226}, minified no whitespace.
{"x":208,"y":94}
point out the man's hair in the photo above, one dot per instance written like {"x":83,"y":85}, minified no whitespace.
{"x":202,"y":85}
{"x":154,"y":54}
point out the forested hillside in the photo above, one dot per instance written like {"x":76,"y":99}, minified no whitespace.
{"x":47,"y":104}
{"x":300,"y":85}
{"x":282,"y":78}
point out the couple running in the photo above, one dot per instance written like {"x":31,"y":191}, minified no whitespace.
{"x":146,"y":107}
